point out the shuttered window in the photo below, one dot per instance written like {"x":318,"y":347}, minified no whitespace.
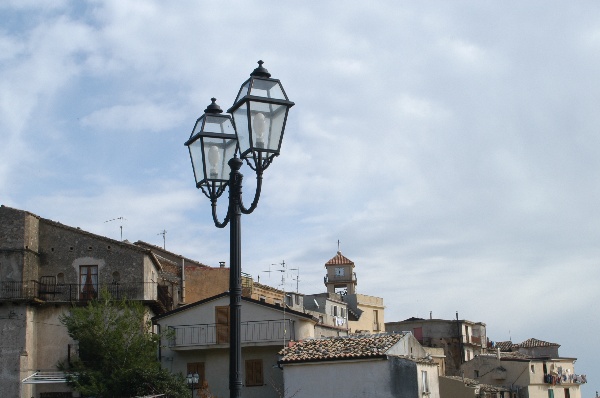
{"x":254,"y":372}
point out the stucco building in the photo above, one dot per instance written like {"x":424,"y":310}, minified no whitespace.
{"x":200,"y":342}
{"x":377,"y":366}
{"x":365,"y":313}
{"x":532,"y":369}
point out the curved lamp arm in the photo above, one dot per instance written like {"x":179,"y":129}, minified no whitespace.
{"x":218,"y":224}
{"x":256,"y":195}
{"x":261,"y":165}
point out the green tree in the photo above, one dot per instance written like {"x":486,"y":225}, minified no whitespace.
{"x":117,"y":352}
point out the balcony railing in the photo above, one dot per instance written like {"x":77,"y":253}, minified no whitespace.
{"x":251,"y":332}
{"x":70,"y":292}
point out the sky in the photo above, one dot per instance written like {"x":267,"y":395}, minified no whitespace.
{"x":452,"y":148}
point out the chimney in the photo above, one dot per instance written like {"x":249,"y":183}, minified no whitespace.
{"x":222,"y":264}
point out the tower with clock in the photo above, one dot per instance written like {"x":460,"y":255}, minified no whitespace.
{"x":340,"y":277}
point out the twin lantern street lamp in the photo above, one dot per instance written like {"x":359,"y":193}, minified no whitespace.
{"x":192,"y":380}
{"x":217,"y":145}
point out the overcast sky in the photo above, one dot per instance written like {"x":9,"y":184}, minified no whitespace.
{"x":451,"y":147}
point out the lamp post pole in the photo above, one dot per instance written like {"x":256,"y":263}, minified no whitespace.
{"x":235,"y":278}
{"x":217,"y":151}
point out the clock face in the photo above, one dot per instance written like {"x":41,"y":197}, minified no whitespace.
{"x":339,"y":272}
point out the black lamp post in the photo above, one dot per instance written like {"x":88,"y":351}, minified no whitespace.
{"x":192,"y":379}
{"x":254,"y":134}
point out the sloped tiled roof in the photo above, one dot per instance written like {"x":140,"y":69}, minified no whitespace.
{"x":508,"y":355}
{"x":504,"y":345}
{"x":475,"y":383}
{"x":531,"y":343}
{"x":339,"y":259}
{"x":355,"y":347}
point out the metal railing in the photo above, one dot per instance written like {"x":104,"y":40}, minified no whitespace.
{"x":69,"y":292}
{"x":251,"y":332}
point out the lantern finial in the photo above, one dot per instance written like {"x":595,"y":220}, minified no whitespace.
{"x":260,"y":71}
{"x":213,"y":107}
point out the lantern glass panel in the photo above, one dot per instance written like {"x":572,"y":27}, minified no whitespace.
{"x":267,"y":125}
{"x":195,"y":149}
{"x":218,"y":124}
{"x":243,"y":91}
{"x":217,"y":152}
{"x":267,"y":89}
{"x":240,"y":116}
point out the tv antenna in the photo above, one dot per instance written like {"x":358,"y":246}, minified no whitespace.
{"x":120,"y":226}
{"x":164,"y":234}
{"x":284,"y":270}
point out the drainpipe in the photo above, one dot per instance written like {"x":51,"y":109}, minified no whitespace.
{"x":183,"y":280}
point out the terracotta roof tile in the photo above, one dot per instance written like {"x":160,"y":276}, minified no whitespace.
{"x":339,"y":259}
{"x":340,"y":348}
{"x":531,"y":343}
{"x":504,"y":345}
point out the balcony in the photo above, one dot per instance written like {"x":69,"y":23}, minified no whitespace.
{"x":150,"y":292}
{"x":258,"y":332}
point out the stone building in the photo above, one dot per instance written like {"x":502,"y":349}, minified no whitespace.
{"x":461,"y":340}
{"x":45,"y":268}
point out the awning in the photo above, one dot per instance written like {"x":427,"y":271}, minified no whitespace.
{"x":45,"y":378}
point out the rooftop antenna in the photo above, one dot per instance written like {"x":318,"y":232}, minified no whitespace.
{"x":284,"y":271}
{"x":338,"y":246}
{"x":164,"y":234}
{"x":120,"y":226}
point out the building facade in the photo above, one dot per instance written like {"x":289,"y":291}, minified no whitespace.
{"x":199,"y":342}
{"x":45,"y":268}
{"x":377,"y":366}
{"x":461,"y":340}
{"x":532,"y":369}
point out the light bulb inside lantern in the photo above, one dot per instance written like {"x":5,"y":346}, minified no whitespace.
{"x":258,"y":126}
{"x":213,"y":159}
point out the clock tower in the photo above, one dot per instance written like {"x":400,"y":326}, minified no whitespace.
{"x":340,"y":276}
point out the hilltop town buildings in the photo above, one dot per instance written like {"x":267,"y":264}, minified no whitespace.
{"x":47,"y":267}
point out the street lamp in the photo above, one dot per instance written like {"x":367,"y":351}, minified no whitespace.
{"x":217,"y":145}
{"x":192,"y":379}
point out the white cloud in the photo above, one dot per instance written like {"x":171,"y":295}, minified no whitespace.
{"x":452,"y":150}
{"x":145,"y":117}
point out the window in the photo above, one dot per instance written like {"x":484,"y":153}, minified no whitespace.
{"x":342,"y":313}
{"x":567,"y":393}
{"x":196,"y":367}
{"x":550,"y":393}
{"x":254,"y":372}
{"x":376,"y":320}
{"x":88,"y":282}
{"x":222,"y":321}
{"x":532,"y":368}
{"x":335,"y":310}
{"x":424,"y":382}
{"x":476,"y":374}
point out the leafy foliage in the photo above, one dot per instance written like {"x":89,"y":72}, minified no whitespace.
{"x":117,"y":352}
